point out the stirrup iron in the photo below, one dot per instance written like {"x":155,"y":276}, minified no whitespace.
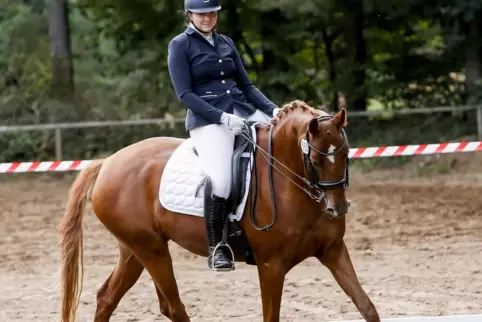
{"x":233,"y":266}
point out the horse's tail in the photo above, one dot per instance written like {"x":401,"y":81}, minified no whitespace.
{"x":71,"y":240}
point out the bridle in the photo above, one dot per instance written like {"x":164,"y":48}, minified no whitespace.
{"x":313,"y":182}
{"x":313,"y":176}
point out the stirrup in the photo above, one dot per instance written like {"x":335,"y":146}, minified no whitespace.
{"x":232,"y":268}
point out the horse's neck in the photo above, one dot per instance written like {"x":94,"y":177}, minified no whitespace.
{"x":284,"y":146}
{"x":287,"y":163}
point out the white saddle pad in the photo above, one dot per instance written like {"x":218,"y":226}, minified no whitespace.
{"x":181,"y":177}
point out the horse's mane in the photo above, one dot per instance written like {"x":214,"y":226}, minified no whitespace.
{"x":296,"y":106}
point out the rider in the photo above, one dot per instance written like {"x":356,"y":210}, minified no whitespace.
{"x":209,"y":78}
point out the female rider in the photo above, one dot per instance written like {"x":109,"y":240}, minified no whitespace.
{"x":209,"y":78}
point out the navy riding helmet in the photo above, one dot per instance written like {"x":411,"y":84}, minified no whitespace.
{"x":201,"y":6}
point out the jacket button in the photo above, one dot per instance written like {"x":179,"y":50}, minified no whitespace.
{"x":223,"y":81}
{"x":222,"y":73}
{"x":220,"y":60}
{"x":228,"y":91}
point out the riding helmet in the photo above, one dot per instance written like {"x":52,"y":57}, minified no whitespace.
{"x":201,"y":6}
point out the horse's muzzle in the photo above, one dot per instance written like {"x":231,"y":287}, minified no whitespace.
{"x":335,"y":211}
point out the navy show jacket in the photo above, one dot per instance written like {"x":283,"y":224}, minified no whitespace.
{"x":210,"y":80}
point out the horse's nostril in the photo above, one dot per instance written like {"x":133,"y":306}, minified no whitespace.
{"x":331,"y":211}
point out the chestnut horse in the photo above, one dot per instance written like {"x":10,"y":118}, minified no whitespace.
{"x":308,"y":148}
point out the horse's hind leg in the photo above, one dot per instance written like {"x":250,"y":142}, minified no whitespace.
{"x":155,"y":257}
{"x":122,"y":278}
{"x":337,"y":259}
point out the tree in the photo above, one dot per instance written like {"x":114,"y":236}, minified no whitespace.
{"x":62,"y":65}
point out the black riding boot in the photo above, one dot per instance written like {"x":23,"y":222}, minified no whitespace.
{"x":215,"y":218}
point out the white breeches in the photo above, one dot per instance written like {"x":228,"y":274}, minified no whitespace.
{"x":214,"y":144}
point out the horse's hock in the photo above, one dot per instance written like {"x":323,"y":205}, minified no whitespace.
{"x":414,"y":246}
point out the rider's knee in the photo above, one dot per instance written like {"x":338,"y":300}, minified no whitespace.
{"x":222,"y":188}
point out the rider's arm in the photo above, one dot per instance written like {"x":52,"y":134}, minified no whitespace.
{"x":180,"y":73}
{"x":253,"y":94}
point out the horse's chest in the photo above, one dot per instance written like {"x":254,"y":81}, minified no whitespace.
{"x":315,"y":234}
{"x":300,"y":238}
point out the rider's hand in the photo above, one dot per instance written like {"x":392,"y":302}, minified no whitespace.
{"x":276,"y":111}
{"x":235,"y":123}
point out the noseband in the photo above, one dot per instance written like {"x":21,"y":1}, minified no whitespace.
{"x":313,"y":176}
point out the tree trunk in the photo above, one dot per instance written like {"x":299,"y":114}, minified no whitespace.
{"x":356,"y":49}
{"x":271,"y":59}
{"x":233,"y":26}
{"x":62,"y":65}
{"x":330,"y":55}
{"x":473,"y":59}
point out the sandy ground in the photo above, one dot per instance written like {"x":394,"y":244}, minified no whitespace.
{"x":416,"y":245}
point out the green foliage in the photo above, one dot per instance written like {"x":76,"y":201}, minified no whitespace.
{"x":24,"y":40}
{"x":409,"y":53}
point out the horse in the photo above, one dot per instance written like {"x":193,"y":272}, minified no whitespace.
{"x":302,"y":206}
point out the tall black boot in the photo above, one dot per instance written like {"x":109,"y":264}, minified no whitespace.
{"x":215,"y":217}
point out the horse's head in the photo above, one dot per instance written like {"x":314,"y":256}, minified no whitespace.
{"x":324,"y":147}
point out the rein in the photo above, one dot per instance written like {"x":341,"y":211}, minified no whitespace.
{"x":312,"y":181}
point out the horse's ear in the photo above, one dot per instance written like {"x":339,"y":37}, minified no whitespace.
{"x":313,"y":126}
{"x":340,"y":118}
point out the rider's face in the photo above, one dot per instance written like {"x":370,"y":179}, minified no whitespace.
{"x":205,"y":22}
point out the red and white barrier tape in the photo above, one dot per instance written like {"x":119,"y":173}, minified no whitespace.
{"x":416,"y":149}
{"x":355,"y":153}
{"x":45,"y":166}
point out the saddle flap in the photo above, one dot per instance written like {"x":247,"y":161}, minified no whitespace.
{"x":243,"y":150}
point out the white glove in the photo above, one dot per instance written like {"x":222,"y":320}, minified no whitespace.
{"x":276,"y":111}
{"x":235,"y":123}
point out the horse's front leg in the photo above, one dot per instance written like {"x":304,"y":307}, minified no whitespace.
{"x":337,"y":259}
{"x":271,"y":279}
